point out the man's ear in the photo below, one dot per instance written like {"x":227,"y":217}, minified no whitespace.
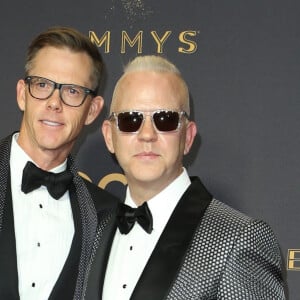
{"x":21,"y":90}
{"x":94,"y":110}
{"x":107,"y":134}
{"x":191,"y":132}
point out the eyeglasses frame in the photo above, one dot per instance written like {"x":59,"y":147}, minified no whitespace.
{"x":114,"y":115}
{"x":59,"y":86}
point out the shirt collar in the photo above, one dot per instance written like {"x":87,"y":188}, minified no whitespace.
{"x":163,"y":204}
{"x":19,"y":158}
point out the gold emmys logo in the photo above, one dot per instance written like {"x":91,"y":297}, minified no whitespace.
{"x":187,"y":44}
{"x":113,"y":177}
{"x":293,"y":260}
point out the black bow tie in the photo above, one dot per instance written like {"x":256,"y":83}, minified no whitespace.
{"x":127,"y":216}
{"x":56,"y":183}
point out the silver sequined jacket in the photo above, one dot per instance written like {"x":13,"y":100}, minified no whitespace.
{"x":207,"y":251}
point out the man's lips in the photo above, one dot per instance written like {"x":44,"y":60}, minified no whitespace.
{"x":147,"y":155}
{"x":51,"y":123}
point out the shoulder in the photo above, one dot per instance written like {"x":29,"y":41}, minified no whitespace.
{"x":102,"y":199}
{"x":6,"y":141}
{"x":222,"y":218}
{"x":222,"y":212}
{"x":230,"y":232}
{"x":232,"y":223}
{"x":5,"y":148}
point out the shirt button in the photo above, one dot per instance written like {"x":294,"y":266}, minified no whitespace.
{"x":124,"y":286}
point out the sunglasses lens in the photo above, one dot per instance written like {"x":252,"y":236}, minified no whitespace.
{"x":166,"y":120}
{"x":130,"y":121}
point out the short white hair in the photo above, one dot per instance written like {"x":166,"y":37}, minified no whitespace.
{"x":158,"y":64}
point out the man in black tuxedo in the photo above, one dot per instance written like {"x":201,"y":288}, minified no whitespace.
{"x":49,"y":215}
{"x":194,"y":247}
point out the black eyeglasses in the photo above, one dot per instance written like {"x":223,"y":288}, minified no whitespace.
{"x":70,"y":94}
{"x":163,"y":120}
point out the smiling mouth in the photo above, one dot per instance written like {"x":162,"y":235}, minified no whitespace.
{"x":51,"y":123}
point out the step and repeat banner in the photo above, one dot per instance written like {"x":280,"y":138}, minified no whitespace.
{"x":241,"y":60}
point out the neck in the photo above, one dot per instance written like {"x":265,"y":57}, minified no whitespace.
{"x":142,"y":192}
{"x":45,"y":159}
{"x":140,"y":195}
{"x":49,"y":162}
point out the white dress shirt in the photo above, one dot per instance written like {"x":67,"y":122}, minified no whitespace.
{"x":44,"y":231}
{"x":130,"y":252}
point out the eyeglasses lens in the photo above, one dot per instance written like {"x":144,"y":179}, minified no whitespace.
{"x":130,"y":121}
{"x":166,"y":120}
{"x":163,"y":120}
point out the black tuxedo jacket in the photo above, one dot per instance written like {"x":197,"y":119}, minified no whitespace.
{"x":92,"y":209}
{"x":206,"y":251}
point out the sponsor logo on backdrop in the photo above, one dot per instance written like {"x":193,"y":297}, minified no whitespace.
{"x":293,"y":260}
{"x":187,"y":43}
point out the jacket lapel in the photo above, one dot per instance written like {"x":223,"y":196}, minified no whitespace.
{"x":106,"y":212}
{"x":65,"y":285}
{"x":9,"y":289}
{"x":89,"y":221}
{"x":166,"y":259}
{"x":100,"y":257}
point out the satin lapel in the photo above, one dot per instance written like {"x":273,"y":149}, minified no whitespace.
{"x":65,"y":285}
{"x":167,"y":257}
{"x":106,"y":206}
{"x":97,"y":272}
{"x":9,"y":289}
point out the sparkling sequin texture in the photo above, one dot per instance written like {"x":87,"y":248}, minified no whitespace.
{"x":231,"y":257}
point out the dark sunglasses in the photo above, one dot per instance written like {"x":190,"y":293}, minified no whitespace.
{"x":163,"y":120}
